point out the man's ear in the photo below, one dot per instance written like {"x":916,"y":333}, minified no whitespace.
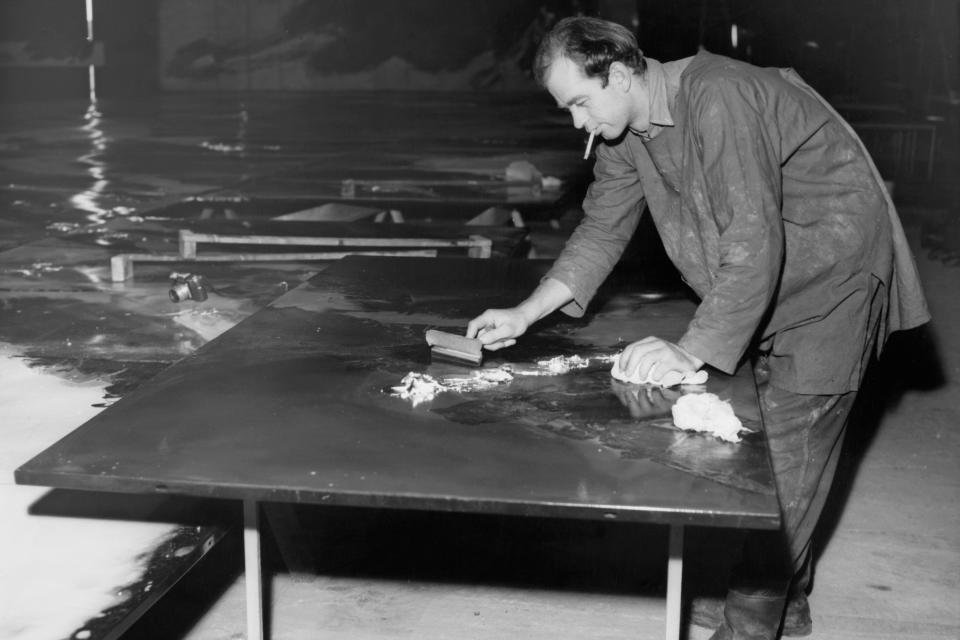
{"x":621,"y":76}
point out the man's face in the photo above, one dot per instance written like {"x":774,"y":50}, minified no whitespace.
{"x":606,"y":111}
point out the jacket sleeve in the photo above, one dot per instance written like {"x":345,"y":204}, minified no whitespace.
{"x":612,"y":209}
{"x":741,"y":185}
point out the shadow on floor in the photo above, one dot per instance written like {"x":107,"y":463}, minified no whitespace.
{"x":447,"y":548}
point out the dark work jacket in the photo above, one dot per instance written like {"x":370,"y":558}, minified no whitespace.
{"x":774,"y":214}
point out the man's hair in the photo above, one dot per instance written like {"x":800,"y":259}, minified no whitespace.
{"x":592,"y":44}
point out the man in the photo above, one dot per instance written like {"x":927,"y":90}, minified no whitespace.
{"x":775,"y":216}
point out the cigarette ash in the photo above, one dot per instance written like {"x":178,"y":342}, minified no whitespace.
{"x":421,"y":387}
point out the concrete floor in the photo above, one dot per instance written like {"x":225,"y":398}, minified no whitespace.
{"x":72,"y":342}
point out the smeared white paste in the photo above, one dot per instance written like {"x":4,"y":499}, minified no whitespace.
{"x":421,"y":387}
{"x":563,"y":364}
{"x":559,"y":365}
{"x":417,"y":388}
{"x":707,"y":413}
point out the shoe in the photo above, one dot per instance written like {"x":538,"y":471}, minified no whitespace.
{"x":797,"y":622}
{"x":707,"y":612}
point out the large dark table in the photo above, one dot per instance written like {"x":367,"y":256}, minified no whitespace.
{"x":294,"y":405}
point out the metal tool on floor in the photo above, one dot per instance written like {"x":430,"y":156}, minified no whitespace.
{"x":188,"y":286}
{"x":453,"y":348}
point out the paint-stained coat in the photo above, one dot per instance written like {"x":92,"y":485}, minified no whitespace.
{"x":774,"y":214}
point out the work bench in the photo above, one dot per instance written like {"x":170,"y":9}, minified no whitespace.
{"x":295,"y":405}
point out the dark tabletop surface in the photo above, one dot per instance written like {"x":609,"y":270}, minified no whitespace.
{"x":294,"y":404}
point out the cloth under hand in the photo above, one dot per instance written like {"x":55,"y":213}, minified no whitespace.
{"x":670,"y":379}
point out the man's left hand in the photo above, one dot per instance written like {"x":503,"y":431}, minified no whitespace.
{"x":658,"y":360}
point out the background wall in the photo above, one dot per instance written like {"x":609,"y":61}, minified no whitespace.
{"x":881,"y":51}
{"x":44,"y":51}
{"x":337,"y":44}
{"x":874,"y":50}
{"x":42,"y":45}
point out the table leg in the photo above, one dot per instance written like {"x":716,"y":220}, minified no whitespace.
{"x":252,"y":569}
{"x":674,"y":581}
{"x":932,"y":153}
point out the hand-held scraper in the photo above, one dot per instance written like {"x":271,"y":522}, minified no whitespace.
{"x":454,"y":348}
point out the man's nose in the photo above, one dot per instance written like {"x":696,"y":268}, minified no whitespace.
{"x":579,"y":117}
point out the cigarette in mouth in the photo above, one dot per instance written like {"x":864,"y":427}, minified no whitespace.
{"x":586,"y":152}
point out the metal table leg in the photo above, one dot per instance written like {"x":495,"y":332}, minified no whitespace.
{"x":252,"y":569}
{"x":674,"y":581}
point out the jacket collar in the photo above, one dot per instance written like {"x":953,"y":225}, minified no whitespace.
{"x":663,"y":84}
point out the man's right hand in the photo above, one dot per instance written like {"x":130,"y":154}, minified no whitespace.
{"x":498,"y":328}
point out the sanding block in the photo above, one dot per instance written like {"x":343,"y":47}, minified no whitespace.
{"x":454,"y":348}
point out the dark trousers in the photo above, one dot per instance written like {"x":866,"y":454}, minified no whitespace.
{"x":805,"y":435}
